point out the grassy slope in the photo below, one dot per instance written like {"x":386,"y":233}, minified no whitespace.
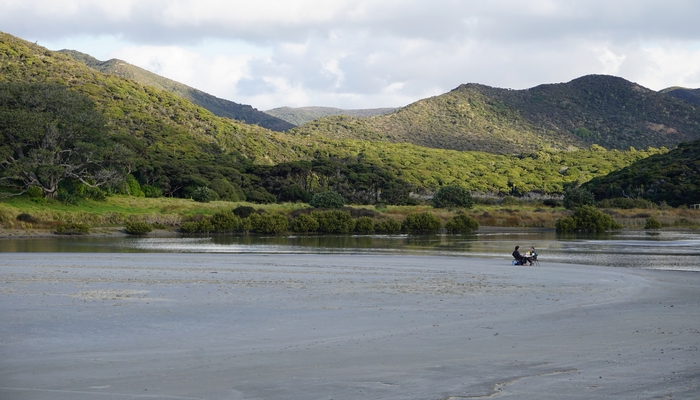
{"x":302,"y":115}
{"x":603,"y":110}
{"x":218,"y":106}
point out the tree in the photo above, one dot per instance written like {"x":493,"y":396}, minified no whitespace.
{"x":462,"y":223}
{"x":453,"y":196}
{"x":421,"y":223}
{"x":327,"y":200}
{"x":51,"y":134}
{"x":575,"y":197}
{"x":587,"y":219}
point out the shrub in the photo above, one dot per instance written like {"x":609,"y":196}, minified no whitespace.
{"x":226,"y":190}
{"x":259,"y":195}
{"x":152,"y":191}
{"x":243,"y":211}
{"x":24,"y":217}
{"x":304,"y":223}
{"x":327,"y":200}
{"x":364,"y":225}
{"x":421,"y":223}
{"x":462,"y":223}
{"x":577,"y":197}
{"x":73,"y":228}
{"x":133,"y":187}
{"x":294,"y":193}
{"x":453,"y":196}
{"x":268,"y":223}
{"x":624,"y":203}
{"x":510,"y":201}
{"x":587,"y":219}
{"x":652,"y":224}
{"x":203,"y":194}
{"x":334,"y":221}
{"x":387,"y":225}
{"x":226,"y":221}
{"x":189,"y":227}
{"x":137,"y":228}
{"x":552,"y":203}
{"x":35,"y":192}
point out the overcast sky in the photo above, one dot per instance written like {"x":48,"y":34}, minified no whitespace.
{"x":375,"y":53}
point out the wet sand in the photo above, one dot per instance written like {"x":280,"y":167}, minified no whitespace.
{"x":237,"y":326}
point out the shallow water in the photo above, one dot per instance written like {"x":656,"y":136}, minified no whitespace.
{"x":634,"y":249}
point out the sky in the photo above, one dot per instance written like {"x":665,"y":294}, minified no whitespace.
{"x":376,"y":53}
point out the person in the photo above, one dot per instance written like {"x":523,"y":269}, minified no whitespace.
{"x":533,"y":255}
{"x":518,"y":257}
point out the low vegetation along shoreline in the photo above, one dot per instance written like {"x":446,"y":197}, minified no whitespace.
{"x":20,"y":217}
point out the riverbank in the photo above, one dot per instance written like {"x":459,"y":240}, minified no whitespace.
{"x":299,"y":326}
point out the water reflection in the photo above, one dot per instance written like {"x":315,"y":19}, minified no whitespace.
{"x":665,"y":250}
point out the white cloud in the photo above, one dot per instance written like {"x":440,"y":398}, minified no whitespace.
{"x":372,"y":53}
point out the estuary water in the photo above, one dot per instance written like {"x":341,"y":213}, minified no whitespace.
{"x":668,"y":250}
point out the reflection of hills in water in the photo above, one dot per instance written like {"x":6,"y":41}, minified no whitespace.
{"x":663,"y":250}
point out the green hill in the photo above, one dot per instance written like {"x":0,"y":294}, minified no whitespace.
{"x":673,"y":177}
{"x":690,"y":95}
{"x":181,"y":149}
{"x":595,"y":109}
{"x":218,"y":106}
{"x":302,"y":115}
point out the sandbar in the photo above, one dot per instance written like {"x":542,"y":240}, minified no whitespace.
{"x":342,"y":326}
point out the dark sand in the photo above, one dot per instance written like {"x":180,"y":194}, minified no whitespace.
{"x":225,"y":326}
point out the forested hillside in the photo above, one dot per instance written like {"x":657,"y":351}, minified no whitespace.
{"x":673,"y":177}
{"x":595,"y":109}
{"x":690,"y":95}
{"x":218,"y":106}
{"x":302,"y":115}
{"x":156,"y":143}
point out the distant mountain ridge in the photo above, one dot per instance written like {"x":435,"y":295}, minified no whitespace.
{"x":595,"y":109}
{"x":218,"y":106}
{"x":689,"y":95}
{"x":302,"y":115}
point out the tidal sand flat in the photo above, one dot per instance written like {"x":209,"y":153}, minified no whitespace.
{"x":328,"y":326}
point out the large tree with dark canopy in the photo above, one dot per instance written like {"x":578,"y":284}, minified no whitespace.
{"x":51,"y":134}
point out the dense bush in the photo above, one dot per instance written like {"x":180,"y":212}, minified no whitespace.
{"x":137,"y":228}
{"x":453,"y":196}
{"x":552,"y":203}
{"x":259,"y":195}
{"x":73,"y":228}
{"x":35,"y":192}
{"x":152,"y":191}
{"x":24,"y":217}
{"x":226,"y":221}
{"x":364,"y":225}
{"x":387,"y":225}
{"x":624,"y":203}
{"x":268,"y":223}
{"x":203,"y":194}
{"x":190,"y":227}
{"x":421,"y":223}
{"x":327,"y":200}
{"x":587,"y":219}
{"x":304,"y":223}
{"x":652,"y":224}
{"x":294,"y":193}
{"x":334,"y":221}
{"x":226,"y":190}
{"x":461,"y":223}
{"x":575,"y":197}
{"x":243,"y":211}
